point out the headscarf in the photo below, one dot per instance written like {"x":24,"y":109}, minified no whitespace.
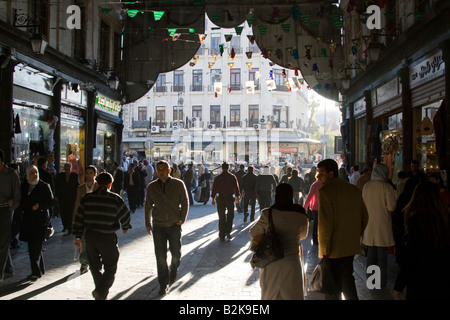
{"x":380,"y":172}
{"x":33,"y":183}
{"x":284,"y":195}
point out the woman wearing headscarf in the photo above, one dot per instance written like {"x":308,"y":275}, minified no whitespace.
{"x":284,"y":278}
{"x":380,"y":199}
{"x":35,"y":202}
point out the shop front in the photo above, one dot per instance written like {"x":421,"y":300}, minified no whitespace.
{"x":33,"y":121}
{"x":108,"y":132}
{"x":427,"y":84}
{"x":73,"y":129}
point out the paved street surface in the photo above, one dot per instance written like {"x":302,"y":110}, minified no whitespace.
{"x":209,"y":270}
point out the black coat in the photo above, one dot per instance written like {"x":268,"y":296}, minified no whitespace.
{"x":35,"y":222}
{"x":118,"y":181}
{"x":249,"y":183}
{"x":136,"y":181}
{"x":66,"y":191}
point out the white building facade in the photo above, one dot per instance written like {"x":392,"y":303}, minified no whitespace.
{"x":222,"y":106}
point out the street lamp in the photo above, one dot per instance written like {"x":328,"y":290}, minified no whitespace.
{"x":39,"y":43}
{"x":374,"y":50}
{"x":113,"y":83}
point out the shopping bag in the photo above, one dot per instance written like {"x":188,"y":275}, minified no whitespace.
{"x":322,"y":279}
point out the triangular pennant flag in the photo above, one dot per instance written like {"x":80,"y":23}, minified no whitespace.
{"x":249,"y":65}
{"x":249,"y":54}
{"x":215,"y":16}
{"x":305,"y":18}
{"x":172,"y":31}
{"x":262,"y":29}
{"x":232,"y":54}
{"x":250,"y":86}
{"x":218,"y":88}
{"x":228,"y":37}
{"x":210,"y":64}
{"x":202,"y":37}
{"x":251,"y":38}
{"x":238,"y":30}
{"x":295,"y":12}
{"x":132,"y":13}
{"x":176,"y":36}
{"x":286,"y":27}
{"x":158,"y":15}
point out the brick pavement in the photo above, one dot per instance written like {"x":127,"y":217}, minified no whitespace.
{"x":209,"y":270}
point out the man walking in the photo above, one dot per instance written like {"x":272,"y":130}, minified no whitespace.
{"x":265,"y":188}
{"x":239,"y":174}
{"x":166,"y":208}
{"x":100,"y":214}
{"x":188,"y":177}
{"x":248,"y":193}
{"x":225,"y":185}
{"x":10,"y":193}
{"x":342,"y":219}
{"x":131,"y":184}
{"x":66,"y":184}
{"x":89,"y":186}
{"x":117,"y":174}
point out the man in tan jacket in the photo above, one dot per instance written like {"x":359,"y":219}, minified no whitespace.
{"x":342,"y":220}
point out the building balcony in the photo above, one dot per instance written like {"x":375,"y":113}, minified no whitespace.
{"x":196,"y":88}
{"x":140,"y":124}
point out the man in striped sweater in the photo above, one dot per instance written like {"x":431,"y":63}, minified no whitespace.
{"x":100,"y":214}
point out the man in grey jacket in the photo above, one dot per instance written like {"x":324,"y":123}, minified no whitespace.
{"x":166,"y":208}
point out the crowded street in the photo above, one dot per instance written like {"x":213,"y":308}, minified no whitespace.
{"x":209,"y":270}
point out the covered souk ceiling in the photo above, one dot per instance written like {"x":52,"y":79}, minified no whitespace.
{"x":298,"y":35}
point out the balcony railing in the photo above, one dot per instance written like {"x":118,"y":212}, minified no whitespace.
{"x":196,"y":88}
{"x":160,"y":89}
{"x":140,"y":124}
{"x":177,"y":88}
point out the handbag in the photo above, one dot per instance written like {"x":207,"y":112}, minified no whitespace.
{"x":322,"y":279}
{"x":269,"y":249}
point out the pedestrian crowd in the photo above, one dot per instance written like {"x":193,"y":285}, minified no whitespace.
{"x":350,"y":213}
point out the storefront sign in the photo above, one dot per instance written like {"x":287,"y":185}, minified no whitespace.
{"x":283,"y":149}
{"x":427,"y":70}
{"x":71,"y":113}
{"x":108,"y":105}
{"x":359,"y":106}
{"x":387,"y":91}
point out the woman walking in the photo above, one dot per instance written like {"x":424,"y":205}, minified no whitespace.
{"x":35,"y":202}
{"x":283,"y":279}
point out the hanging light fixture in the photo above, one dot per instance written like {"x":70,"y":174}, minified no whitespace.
{"x":113,"y":82}
{"x":39,"y":43}
{"x":374,"y":50}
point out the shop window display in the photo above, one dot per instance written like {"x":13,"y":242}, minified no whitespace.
{"x":72,"y":146}
{"x":33,"y":137}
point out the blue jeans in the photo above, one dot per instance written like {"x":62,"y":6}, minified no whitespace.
{"x":162,"y":235}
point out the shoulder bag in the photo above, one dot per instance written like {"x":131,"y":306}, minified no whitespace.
{"x":269,"y":249}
